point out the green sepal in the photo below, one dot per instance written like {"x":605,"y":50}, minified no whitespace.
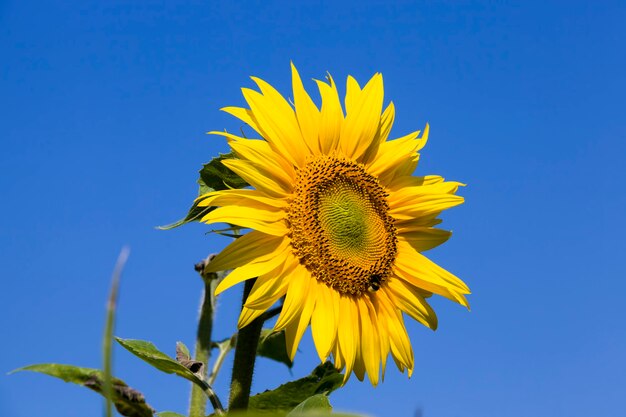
{"x":273,"y":345}
{"x":128,"y":401}
{"x":214,"y":176}
{"x":323,"y":380}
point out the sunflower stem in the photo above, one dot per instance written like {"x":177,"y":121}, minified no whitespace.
{"x":245,"y":356}
{"x":271,"y":313}
{"x":197,"y":404}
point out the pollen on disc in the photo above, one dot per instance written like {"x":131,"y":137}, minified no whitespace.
{"x":340,"y":226}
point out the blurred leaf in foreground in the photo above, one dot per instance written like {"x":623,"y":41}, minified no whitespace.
{"x":317,"y":403}
{"x":107,"y":339}
{"x":128,"y":401}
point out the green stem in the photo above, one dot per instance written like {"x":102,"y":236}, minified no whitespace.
{"x":107,"y":344}
{"x":219,"y":361}
{"x":215,"y":401}
{"x":245,"y":356}
{"x":197,"y":405}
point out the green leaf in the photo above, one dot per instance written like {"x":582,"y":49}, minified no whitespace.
{"x":195,"y":213}
{"x":285,"y":413}
{"x":149,"y":353}
{"x":128,"y":401}
{"x":270,"y":413}
{"x":169,"y":414}
{"x":323,"y":380}
{"x":318,"y":403}
{"x":272,"y":345}
{"x":214,"y":176}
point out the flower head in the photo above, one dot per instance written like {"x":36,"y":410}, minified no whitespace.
{"x":339,"y":223}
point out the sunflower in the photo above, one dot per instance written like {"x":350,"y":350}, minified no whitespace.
{"x":339,"y":223}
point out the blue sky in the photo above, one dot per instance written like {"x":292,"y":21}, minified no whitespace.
{"x":103,"y":109}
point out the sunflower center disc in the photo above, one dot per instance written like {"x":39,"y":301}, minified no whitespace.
{"x":340,"y":226}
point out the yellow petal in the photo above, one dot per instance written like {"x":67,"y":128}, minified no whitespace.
{"x":362,"y":122}
{"x":261,"y":154}
{"x":331,"y":116}
{"x":370,"y":348}
{"x":408,"y":181}
{"x":359,"y":366}
{"x":410,"y":225}
{"x":426,"y":205}
{"x":324,"y":319}
{"x":307,"y":113}
{"x":295,"y":328}
{"x":383,"y":334}
{"x":230,"y":138}
{"x":353,"y":93}
{"x":258,"y":177}
{"x":270,"y":287}
{"x":299,"y":290}
{"x":420,"y":272}
{"x":248,"y":248}
{"x":406,"y":195}
{"x":425,"y":238}
{"x":246,"y":116}
{"x":392,"y":154}
{"x":421,"y":265}
{"x":399,"y":342}
{"x":338,"y":359}
{"x":347,"y":332}
{"x":247,"y":316}
{"x":269,"y":222}
{"x":278,"y":125}
{"x":284,"y":115}
{"x":241,"y":197}
{"x":399,"y":157}
{"x":424,"y":138}
{"x":263,"y":265}
{"x":386,"y":122}
{"x":265,"y":297}
{"x":411,"y":302}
